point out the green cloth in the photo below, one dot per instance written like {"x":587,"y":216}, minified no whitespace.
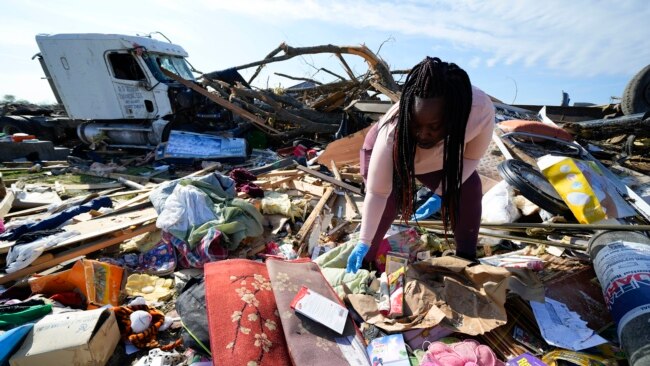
{"x":338,"y":257}
{"x":236,"y":218}
{"x":356,"y":282}
{"x":333,"y":265}
{"x":9,"y":320}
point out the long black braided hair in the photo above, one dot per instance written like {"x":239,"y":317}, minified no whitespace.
{"x":432,"y":78}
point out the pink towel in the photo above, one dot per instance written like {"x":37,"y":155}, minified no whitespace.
{"x":466,"y":353}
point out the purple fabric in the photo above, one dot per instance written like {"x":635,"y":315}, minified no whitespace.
{"x":468,"y":218}
{"x":243,"y":182}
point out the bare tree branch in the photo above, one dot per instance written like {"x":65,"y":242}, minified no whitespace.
{"x":380,"y":69}
{"x":259,"y":68}
{"x":304,"y":124}
{"x":333,"y":74}
{"x":346,"y":67}
{"x":298,"y":78}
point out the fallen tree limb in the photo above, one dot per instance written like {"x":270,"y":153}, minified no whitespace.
{"x":346,"y":67}
{"x":605,"y":128}
{"x":379,"y":68}
{"x":258,"y":122}
{"x":298,"y":78}
{"x":334,"y":74}
{"x":259,"y":68}
{"x":303,"y":124}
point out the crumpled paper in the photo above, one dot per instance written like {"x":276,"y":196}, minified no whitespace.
{"x":445,"y":290}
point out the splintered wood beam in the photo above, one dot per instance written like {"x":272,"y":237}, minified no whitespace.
{"x":348,"y":198}
{"x":306,"y":227}
{"x":6,"y":203}
{"x":258,"y":122}
{"x":327,"y":178}
{"x":392,"y":95}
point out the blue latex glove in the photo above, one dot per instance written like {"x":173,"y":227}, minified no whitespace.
{"x":356,"y":257}
{"x":428,"y":208}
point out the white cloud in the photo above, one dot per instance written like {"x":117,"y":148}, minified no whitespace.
{"x":581,"y":37}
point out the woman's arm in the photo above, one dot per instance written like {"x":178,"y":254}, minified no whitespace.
{"x":379,"y":183}
{"x":478,"y":145}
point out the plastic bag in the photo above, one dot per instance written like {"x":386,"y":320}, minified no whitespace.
{"x":185,"y":208}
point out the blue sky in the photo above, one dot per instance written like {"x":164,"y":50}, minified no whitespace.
{"x":528,"y":49}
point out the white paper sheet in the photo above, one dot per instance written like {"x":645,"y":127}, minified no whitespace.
{"x":562,"y":327}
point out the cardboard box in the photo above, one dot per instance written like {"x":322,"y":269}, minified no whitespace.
{"x":74,"y":338}
{"x":320,"y":309}
{"x":99,"y":282}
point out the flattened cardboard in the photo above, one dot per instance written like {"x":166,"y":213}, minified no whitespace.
{"x":76,"y":338}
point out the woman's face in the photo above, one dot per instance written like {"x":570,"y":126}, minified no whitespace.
{"x":428,"y":125}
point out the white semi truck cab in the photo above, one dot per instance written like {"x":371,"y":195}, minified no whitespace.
{"x":113,"y":89}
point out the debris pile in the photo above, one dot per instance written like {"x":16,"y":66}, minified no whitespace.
{"x":190,"y":255}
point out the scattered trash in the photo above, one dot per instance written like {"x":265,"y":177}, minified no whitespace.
{"x":198,"y":237}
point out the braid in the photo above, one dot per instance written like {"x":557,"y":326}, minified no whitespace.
{"x":429,"y":79}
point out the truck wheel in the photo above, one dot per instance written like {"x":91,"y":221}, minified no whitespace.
{"x":636,"y":97}
{"x":15,"y":124}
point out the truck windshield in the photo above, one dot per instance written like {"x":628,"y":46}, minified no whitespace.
{"x":175,"y":64}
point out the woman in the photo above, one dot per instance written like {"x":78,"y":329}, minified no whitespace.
{"x":437,"y":133}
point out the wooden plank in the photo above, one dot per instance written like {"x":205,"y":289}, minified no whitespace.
{"x":308,"y":188}
{"x":29,"y":164}
{"x":99,"y":227}
{"x":116,"y":176}
{"x":353,"y":177}
{"x":76,"y":252}
{"x":92,"y":186}
{"x":6,"y":203}
{"x":334,"y":181}
{"x":42,"y":259}
{"x":36,"y":210}
{"x":279,"y":182}
{"x":306,"y":227}
{"x":280,"y":173}
{"x":32,"y":168}
{"x":257,"y":121}
{"x":348,"y":198}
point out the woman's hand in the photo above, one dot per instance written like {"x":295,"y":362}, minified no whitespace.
{"x":356,"y":257}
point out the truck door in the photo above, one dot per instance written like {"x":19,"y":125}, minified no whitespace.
{"x":132,"y":87}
